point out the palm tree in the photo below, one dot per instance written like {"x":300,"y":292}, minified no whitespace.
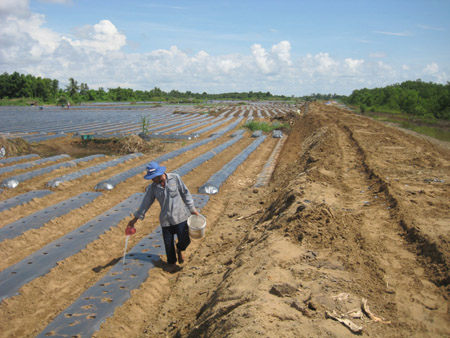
{"x":72,"y":88}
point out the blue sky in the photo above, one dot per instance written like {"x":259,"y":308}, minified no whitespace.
{"x":285,"y":47}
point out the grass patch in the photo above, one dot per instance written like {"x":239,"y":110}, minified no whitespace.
{"x":437,"y":133}
{"x":21,"y":102}
{"x":265,"y":126}
{"x":438,"y":129}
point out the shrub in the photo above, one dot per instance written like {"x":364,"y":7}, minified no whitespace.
{"x":264,"y":126}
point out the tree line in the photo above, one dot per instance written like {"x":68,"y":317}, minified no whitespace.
{"x":43,"y":90}
{"x":17,"y":85}
{"x":424,"y":99}
{"x":418,"y":98}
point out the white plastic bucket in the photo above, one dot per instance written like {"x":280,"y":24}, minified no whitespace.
{"x":196,"y":225}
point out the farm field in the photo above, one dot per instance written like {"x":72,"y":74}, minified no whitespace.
{"x":350,"y":235}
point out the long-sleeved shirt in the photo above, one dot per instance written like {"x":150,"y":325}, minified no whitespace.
{"x":173,"y":198}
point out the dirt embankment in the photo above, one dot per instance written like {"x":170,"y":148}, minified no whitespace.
{"x":355,"y":210}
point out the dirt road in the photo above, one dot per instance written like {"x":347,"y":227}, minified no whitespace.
{"x":354,"y":210}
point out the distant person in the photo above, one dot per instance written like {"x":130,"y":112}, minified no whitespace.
{"x":173,"y":196}
{"x":68,"y":105}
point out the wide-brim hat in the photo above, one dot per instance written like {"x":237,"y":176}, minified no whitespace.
{"x":154,"y":170}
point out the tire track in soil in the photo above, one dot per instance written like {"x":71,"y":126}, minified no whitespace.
{"x":377,"y":240}
{"x":351,"y":241}
{"x":392,"y":265}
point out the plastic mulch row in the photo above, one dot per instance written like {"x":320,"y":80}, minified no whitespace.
{"x":13,"y":181}
{"x":43,"y":260}
{"x":111,"y":183}
{"x":18,"y":158}
{"x":22,"y":199}
{"x":186,"y":168}
{"x":38,"y":219}
{"x":212,"y":186}
{"x":32,"y":163}
{"x":95,"y":305}
{"x":87,"y":171}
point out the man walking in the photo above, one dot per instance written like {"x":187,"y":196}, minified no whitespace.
{"x":173,"y":196}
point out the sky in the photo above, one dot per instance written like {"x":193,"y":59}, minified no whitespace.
{"x":285,"y":47}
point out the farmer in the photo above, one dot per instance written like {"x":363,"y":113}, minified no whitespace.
{"x":173,"y":196}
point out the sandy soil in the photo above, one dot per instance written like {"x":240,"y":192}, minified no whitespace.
{"x":356,"y":212}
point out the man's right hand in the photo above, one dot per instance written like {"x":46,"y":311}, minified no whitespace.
{"x":130,"y":229}
{"x":132,"y":222}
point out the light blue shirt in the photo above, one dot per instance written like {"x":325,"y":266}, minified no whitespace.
{"x":173,"y":199}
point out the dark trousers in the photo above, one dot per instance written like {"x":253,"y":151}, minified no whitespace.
{"x":182,"y":232}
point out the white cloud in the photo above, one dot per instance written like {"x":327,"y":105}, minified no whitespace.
{"x":431,"y":69}
{"x":94,"y":54}
{"x":57,"y":1}
{"x":433,"y":73}
{"x":377,"y":55}
{"x":101,"y":37}
{"x":394,"y":33}
{"x":353,"y":65}
{"x":426,"y":27}
{"x":18,"y":8}
{"x":282,"y":51}
{"x":319,"y":64}
{"x":383,"y":66}
{"x":262,"y":58}
{"x":22,"y":36}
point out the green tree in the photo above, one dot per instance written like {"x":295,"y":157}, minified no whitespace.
{"x":72,"y":88}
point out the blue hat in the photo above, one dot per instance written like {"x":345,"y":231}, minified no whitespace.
{"x":154,"y":170}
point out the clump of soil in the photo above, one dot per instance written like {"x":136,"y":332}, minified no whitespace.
{"x":133,"y":144}
{"x":118,"y":146}
{"x":288,"y":118}
{"x":14,"y":147}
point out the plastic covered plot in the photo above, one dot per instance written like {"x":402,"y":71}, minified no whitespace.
{"x":169,"y":136}
{"x":257,"y":133}
{"x":22,"y":199}
{"x":187,"y":122}
{"x":162,"y":127}
{"x":267,"y":171}
{"x":88,"y":171}
{"x":213,"y":185}
{"x":95,"y":305}
{"x":43,"y":138}
{"x":38,"y":219}
{"x":55,"y":119}
{"x":32,"y":163}
{"x":238,"y":133}
{"x":197,"y":125}
{"x":104,"y":136}
{"x":214,"y":125}
{"x":186,"y":168}
{"x":40,"y":263}
{"x":111,"y":183}
{"x":18,"y":158}
{"x":227,"y":128}
{"x":13,"y":182}
{"x":277,"y":134}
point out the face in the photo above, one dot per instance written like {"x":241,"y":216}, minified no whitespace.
{"x":159,"y":179}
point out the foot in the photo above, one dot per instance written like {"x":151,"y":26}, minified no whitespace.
{"x":172,"y":268}
{"x":180,"y":256}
